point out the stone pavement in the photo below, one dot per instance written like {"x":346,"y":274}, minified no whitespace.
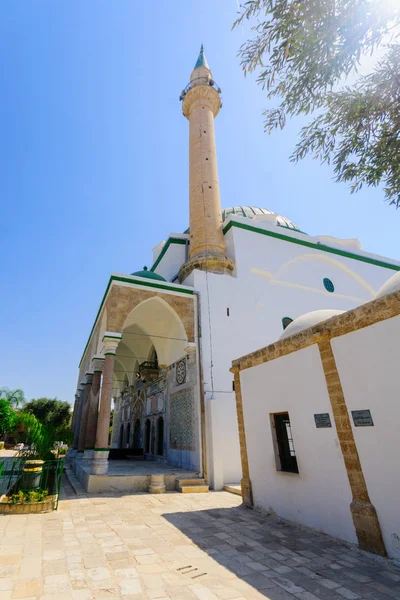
{"x":182,"y":547}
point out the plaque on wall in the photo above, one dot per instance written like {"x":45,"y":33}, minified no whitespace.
{"x":362,"y":418}
{"x":322,"y":420}
{"x":181,"y":372}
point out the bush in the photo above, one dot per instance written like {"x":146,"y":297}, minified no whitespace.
{"x":30,"y":497}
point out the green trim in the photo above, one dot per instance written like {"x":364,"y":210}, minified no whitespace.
{"x":101,"y":449}
{"x":109,"y":353}
{"x":165,"y":248}
{"x":322,"y":247}
{"x":157,"y":286}
{"x":112,"y":336}
{"x":129,"y":280}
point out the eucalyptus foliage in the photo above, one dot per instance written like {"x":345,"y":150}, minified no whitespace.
{"x":303,"y":51}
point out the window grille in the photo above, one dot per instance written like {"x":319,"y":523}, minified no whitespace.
{"x":284,"y":440}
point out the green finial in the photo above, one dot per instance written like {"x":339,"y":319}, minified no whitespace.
{"x":201,"y":61}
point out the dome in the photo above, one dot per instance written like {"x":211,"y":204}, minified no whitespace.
{"x":309,"y":320}
{"x":391,"y":285}
{"x":250,"y":212}
{"x":148,"y":274}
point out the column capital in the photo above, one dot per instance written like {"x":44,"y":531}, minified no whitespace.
{"x":89,"y":377}
{"x":191,"y":348}
{"x":111,"y":340}
{"x":97,"y":363}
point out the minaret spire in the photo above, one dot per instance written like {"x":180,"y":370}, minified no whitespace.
{"x":201,"y":103}
{"x":201,"y":61}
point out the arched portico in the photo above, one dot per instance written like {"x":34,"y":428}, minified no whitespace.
{"x":144,"y":334}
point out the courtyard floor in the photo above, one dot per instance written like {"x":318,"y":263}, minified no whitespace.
{"x":199,"y":547}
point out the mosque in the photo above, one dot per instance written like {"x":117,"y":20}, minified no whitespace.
{"x":162,"y":343}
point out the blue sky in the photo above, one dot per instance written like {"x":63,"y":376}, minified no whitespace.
{"x":94,"y":164}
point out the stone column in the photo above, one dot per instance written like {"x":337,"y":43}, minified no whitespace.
{"x":74,"y":413}
{"x":77,"y":422}
{"x":364,"y":515}
{"x":85,"y":412}
{"x":247,"y":493}
{"x":90,"y":439}
{"x":101,"y":450}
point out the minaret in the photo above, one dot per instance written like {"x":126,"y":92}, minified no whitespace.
{"x":200,"y":105}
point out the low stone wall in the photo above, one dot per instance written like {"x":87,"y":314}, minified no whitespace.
{"x":124,"y":483}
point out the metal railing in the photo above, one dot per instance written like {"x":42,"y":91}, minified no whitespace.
{"x":193,"y":83}
{"x":18,"y":479}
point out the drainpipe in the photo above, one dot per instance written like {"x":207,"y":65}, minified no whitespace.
{"x":199,"y":367}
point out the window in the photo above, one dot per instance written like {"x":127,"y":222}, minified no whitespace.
{"x":328,"y":285}
{"x":284,"y":448}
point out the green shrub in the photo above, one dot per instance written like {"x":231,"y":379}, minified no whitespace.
{"x":30,"y":497}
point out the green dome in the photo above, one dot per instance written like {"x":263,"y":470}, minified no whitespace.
{"x":148,"y":274}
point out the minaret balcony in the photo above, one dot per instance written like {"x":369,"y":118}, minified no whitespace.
{"x":200,"y":81}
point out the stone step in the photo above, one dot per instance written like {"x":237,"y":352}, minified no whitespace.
{"x":193,"y":489}
{"x":191,"y":481}
{"x":192,"y":486}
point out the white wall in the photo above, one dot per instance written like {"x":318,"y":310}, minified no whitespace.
{"x":223,"y":458}
{"x":173,"y":259}
{"x":273,"y":279}
{"x":319,"y":496}
{"x":368,"y":362}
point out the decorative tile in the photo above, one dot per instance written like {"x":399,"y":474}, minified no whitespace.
{"x":182,"y":420}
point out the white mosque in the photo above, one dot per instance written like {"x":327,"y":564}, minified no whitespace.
{"x":163,"y":340}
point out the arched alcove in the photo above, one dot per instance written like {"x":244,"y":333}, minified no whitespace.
{"x":128,"y":436}
{"x":136,"y":435}
{"x":160,"y":436}
{"x":153,"y":323}
{"x":147,"y":436}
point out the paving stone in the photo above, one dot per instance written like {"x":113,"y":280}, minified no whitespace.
{"x":346,"y":593}
{"x":259,"y":581}
{"x":129,"y":587}
{"x":117,"y":546}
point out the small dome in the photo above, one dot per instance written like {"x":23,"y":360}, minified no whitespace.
{"x":148,"y":274}
{"x":249,"y":212}
{"x":309,"y":320}
{"x":391,"y":285}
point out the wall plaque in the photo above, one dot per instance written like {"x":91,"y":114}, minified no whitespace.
{"x":322,"y":420}
{"x":362,"y":418}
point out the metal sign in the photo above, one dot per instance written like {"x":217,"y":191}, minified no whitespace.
{"x":322,"y":420}
{"x":362,"y":418}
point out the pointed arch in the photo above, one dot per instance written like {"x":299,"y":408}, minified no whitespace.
{"x":154,"y":323}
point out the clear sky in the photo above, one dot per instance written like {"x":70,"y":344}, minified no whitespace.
{"x":94,"y":164}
